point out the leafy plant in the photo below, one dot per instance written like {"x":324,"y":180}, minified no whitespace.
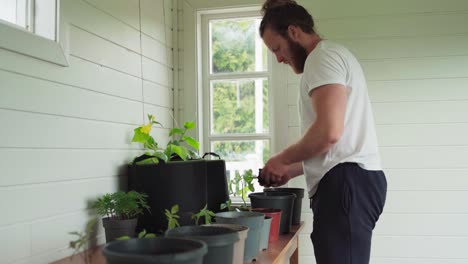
{"x":121,"y":205}
{"x":142,"y":234}
{"x":172,"y":217}
{"x":176,"y":147}
{"x":226,"y":204}
{"x":241,"y":185}
{"x":84,"y":240}
{"x":204,"y":212}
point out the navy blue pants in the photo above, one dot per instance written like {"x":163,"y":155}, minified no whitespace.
{"x":346,"y":206}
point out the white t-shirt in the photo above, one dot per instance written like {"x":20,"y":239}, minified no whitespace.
{"x":330,"y":63}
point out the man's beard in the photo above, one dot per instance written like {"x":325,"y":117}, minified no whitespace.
{"x":298,"y":55}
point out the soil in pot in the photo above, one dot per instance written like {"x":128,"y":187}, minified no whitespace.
{"x":220,"y":241}
{"x":155,"y":251}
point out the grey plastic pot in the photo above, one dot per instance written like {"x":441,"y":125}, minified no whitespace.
{"x":254,"y":221}
{"x":117,"y":228}
{"x":239,"y":246}
{"x":276,"y":200}
{"x":220,"y":241}
{"x":155,"y":251}
{"x":297,"y":209}
{"x":265,"y":233}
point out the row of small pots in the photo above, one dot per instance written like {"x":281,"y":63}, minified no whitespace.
{"x":236,"y":234}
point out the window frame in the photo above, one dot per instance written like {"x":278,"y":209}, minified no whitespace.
{"x":205,"y":77}
{"x":23,"y":41}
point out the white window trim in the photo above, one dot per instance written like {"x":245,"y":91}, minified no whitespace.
{"x":19,"y":40}
{"x":203,"y":80}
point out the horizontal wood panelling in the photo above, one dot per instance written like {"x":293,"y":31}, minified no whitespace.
{"x":127,"y":11}
{"x":46,"y":200}
{"x":408,"y":247}
{"x":156,"y":72}
{"x":155,"y":50}
{"x":84,"y":15}
{"x":30,"y":94}
{"x":59,"y":132}
{"x":53,"y":165}
{"x":418,"y":90}
{"x":439,"y":157}
{"x":423,"y":134}
{"x":56,"y":230}
{"x":339,"y":9}
{"x":103,"y":52}
{"x":427,"y":179}
{"x":433,"y":202}
{"x":152,"y":19}
{"x":408,"y":25}
{"x":422,"y":225}
{"x":434,"y":46}
{"x":15,"y":242}
{"x":158,"y":95}
{"x":420,"y":68}
{"x":80,"y":73}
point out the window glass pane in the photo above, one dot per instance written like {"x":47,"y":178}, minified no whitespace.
{"x":239,"y":106}
{"x":235,"y":46}
{"x":241,"y":155}
{"x":8,"y":10}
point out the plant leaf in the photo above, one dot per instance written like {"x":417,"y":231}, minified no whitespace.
{"x":191,"y":142}
{"x":140,"y":137}
{"x":189,"y":125}
{"x":176,"y":131}
{"x":150,"y":235}
{"x":123,"y":238}
{"x":181,"y":151}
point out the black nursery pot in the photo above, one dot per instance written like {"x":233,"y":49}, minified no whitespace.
{"x":155,"y":251}
{"x":179,"y":182}
{"x":297,"y":210}
{"x":220,"y":241}
{"x":117,"y":228}
{"x":276,"y":200}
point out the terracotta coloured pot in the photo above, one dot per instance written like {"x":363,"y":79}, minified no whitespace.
{"x":275,"y":215}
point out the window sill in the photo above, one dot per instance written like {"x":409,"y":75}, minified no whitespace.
{"x":21,"y":41}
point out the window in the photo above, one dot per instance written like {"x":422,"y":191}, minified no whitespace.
{"x":36,"y":16}
{"x":30,"y":27}
{"x":235,"y":84}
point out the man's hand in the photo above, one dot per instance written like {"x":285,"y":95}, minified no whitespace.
{"x":275,"y":173}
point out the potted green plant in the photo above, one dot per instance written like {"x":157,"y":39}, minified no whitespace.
{"x":170,"y":175}
{"x":119,"y":211}
{"x":241,"y":185}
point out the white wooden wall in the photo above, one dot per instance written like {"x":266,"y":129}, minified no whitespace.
{"x":65,"y":131}
{"x":415,"y":56}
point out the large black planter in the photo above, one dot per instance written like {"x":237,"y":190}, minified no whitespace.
{"x":276,"y":200}
{"x":155,"y":251}
{"x":297,"y":210}
{"x":167,"y":184}
{"x":190,"y":184}
{"x":117,"y":228}
{"x":220,"y":241}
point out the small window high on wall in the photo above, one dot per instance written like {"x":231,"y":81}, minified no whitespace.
{"x":36,"y":16}
{"x":236,"y":90}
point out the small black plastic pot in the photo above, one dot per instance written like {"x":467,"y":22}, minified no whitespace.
{"x":116,"y":228}
{"x":220,"y":241}
{"x":297,"y":210}
{"x":276,"y":200}
{"x":155,"y":251}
